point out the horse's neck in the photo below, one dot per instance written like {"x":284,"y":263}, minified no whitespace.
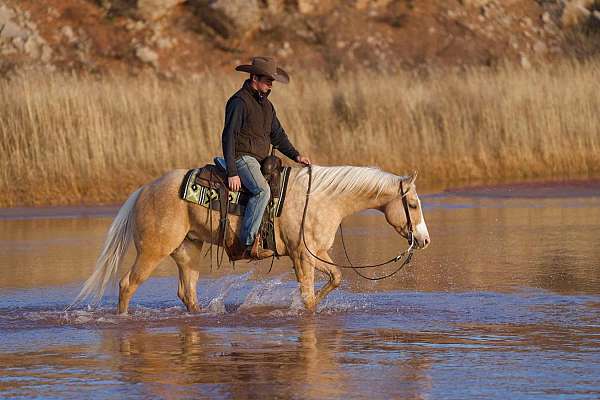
{"x":349,"y":204}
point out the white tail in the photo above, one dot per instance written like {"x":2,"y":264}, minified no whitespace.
{"x":117,"y":241}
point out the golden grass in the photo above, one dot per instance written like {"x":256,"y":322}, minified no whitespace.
{"x":69,"y":140}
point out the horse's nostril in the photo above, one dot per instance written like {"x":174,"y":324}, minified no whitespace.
{"x":427,"y":241}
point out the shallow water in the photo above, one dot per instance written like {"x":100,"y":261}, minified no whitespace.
{"x":505,"y":303}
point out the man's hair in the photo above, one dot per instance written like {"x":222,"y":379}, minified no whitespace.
{"x":258,"y":76}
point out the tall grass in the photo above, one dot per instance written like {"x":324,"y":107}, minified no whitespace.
{"x":69,"y":139}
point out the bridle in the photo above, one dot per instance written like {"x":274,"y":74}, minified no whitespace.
{"x":409,"y":225}
{"x":408,"y":252}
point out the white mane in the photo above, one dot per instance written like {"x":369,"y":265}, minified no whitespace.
{"x":350,"y":179}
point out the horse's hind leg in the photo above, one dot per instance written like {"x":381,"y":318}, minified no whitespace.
{"x":187,"y":257}
{"x":141,"y":270}
{"x":335,"y":277}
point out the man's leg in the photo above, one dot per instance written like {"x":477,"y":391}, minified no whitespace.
{"x":253,"y":180}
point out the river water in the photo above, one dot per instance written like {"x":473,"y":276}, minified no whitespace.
{"x":505,"y":303}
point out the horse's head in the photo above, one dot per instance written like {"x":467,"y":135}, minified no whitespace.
{"x":405,"y":215}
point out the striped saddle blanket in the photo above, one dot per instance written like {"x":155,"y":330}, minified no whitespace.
{"x":207,"y":187}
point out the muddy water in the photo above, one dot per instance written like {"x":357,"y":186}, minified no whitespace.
{"x":504,"y":304}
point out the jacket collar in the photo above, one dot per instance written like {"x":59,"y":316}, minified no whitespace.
{"x":253,"y":92}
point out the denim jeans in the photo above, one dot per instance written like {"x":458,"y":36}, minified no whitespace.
{"x":253,"y":180}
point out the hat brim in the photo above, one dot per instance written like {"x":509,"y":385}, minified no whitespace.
{"x":279,"y":76}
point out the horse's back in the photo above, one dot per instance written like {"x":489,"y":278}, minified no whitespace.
{"x":160,"y":214}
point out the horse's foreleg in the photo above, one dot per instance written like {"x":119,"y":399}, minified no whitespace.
{"x":335,"y":277}
{"x":305,"y":274}
{"x":141,"y":270}
{"x":187,"y":256}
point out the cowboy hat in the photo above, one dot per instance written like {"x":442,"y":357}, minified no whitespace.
{"x":265,"y":66}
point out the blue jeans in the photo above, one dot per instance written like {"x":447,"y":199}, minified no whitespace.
{"x":255,"y":183}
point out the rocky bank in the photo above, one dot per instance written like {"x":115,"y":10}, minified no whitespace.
{"x":178,"y":37}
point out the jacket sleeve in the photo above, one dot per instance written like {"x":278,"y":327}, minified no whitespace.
{"x":279,"y":139}
{"x":234,"y":117}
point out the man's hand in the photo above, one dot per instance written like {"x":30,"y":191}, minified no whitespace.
{"x":234,"y":183}
{"x":303,"y":160}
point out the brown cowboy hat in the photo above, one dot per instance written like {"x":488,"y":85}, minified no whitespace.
{"x":265,"y":66}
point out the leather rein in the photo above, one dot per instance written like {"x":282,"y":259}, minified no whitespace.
{"x":407,"y":254}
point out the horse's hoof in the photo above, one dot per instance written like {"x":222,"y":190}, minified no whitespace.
{"x":194,"y":309}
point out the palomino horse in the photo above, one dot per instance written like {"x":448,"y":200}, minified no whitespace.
{"x":160,"y":224}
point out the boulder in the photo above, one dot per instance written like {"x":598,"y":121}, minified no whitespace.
{"x":152,"y":10}
{"x":6,"y":14}
{"x":576,"y":12}
{"x":233,"y":18}
{"x":12,"y":30}
{"x":147,"y":55}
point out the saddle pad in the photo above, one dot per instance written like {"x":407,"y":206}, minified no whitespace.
{"x":209,"y":198}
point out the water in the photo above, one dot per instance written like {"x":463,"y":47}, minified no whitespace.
{"x":505,"y":303}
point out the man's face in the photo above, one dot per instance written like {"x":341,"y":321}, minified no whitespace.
{"x":263,"y":83}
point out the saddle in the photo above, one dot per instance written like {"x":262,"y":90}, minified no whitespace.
{"x":208,"y":187}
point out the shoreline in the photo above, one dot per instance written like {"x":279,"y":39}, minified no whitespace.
{"x":530,"y":189}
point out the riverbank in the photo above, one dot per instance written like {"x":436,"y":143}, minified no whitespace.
{"x":69,"y":140}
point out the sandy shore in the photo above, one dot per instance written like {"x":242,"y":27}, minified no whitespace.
{"x":547,"y":189}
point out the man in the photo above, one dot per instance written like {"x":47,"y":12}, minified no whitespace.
{"x":251,"y":126}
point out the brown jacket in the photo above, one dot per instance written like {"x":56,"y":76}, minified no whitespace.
{"x":251,"y":126}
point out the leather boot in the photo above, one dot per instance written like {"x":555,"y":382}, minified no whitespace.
{"x":257,"y":252}
{"x":237,"y":250}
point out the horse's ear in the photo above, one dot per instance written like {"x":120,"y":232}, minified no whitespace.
{"x":410,"y":179}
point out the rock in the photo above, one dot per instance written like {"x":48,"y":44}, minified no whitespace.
{"x":11,"y":30}
{"x":540,"y":47}
{"x":575,"y":12}
{"x":366,"y":4}
{"x":165,"y":43}
{"x":527,"y":22}
{"x":546,"y":18}
{"x":474,"y":3}
{"x":315,"y":6}
{"x":232,"y":18}
{"x":135,"y":26}
{"x":6,"y":14}
{"x":19,"y":43}
{"x":525,"y":63}
{"x":275,"y":6}
{"x":46,"y":54}
{"x":31,"y":48}
{"x":147,"y":55}
{"x":68,"y":33}
{"x":152,"y":10}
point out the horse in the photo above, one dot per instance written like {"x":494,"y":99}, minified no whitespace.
{"x":161,"y":224}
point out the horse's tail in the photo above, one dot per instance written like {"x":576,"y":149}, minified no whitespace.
{"x":117,"y":241}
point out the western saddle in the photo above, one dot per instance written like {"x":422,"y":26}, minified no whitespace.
{"x":227,"y":202}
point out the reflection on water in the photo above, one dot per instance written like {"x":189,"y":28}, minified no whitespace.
{"x":505,"y":303}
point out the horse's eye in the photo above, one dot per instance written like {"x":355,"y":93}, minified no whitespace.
{"x":412,"y":205}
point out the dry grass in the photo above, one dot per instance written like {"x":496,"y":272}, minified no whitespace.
{"x":70,"y":140}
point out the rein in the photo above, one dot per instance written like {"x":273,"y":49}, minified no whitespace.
{"x":408,"y":252}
